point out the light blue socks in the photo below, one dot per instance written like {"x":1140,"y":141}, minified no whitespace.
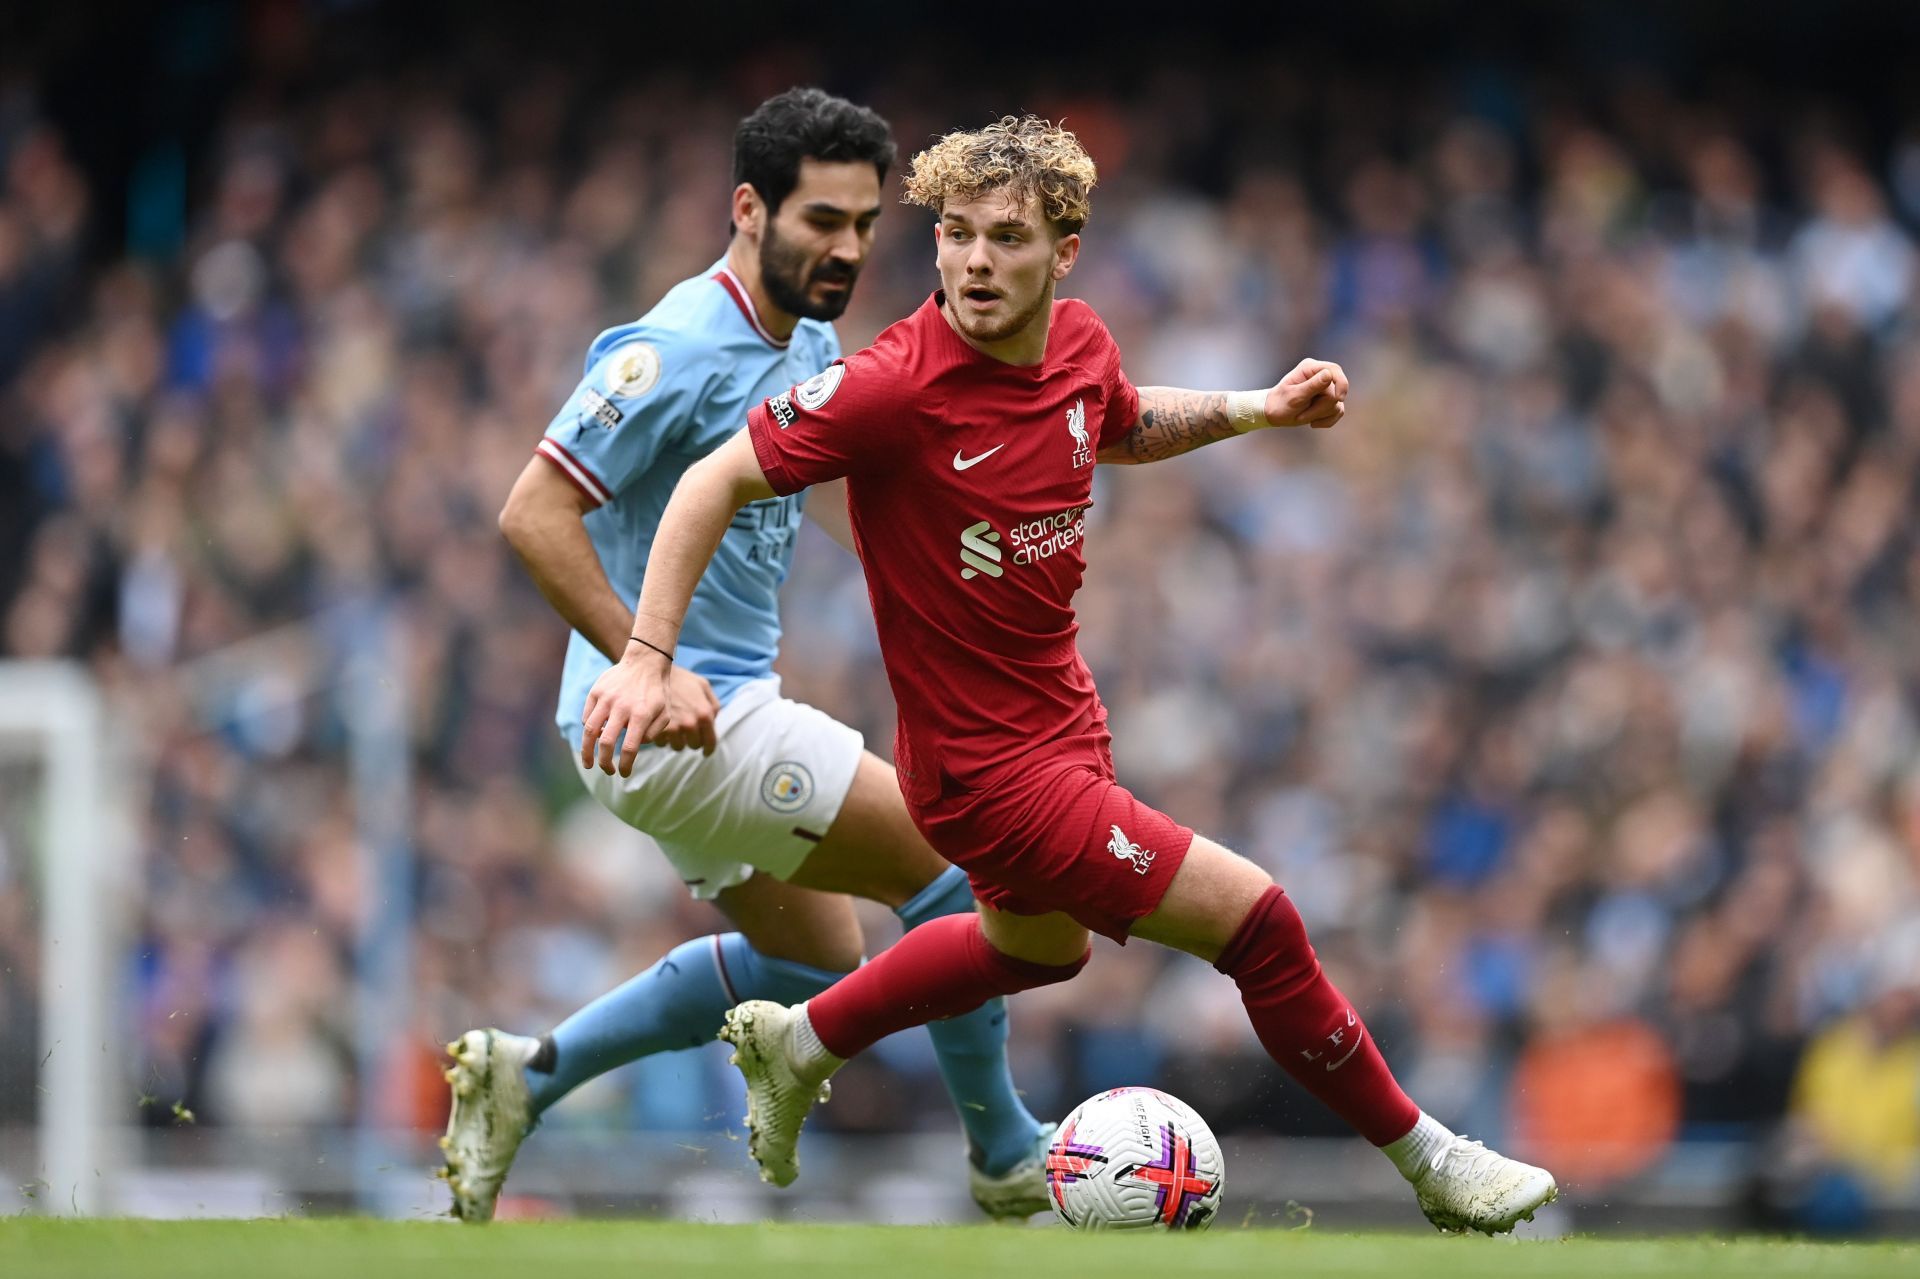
{"x":677,"y":1003}
{"x":972,"y":1050}
{"x":681,"y":1001}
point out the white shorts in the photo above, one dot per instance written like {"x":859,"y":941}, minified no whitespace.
{"x":761,"y":801}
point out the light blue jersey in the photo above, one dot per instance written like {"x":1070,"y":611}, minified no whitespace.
{"x":660,"y":394}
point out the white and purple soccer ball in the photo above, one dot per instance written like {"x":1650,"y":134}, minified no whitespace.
{"x":1135,"y":1159}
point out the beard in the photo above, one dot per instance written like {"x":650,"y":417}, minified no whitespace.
{"x":786,"y":277}
{"x":1000,"y":328}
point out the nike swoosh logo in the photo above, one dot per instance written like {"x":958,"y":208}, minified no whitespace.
{"x":962,"y":463}
{"x":1350,"y":1052}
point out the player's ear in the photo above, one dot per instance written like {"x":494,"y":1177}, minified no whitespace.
{"x":747,"y":207}
{"x":1066,"y":251}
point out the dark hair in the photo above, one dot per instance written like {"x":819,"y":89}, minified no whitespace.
{"x":805,"y":124}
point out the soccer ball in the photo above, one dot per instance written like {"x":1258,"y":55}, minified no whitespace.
{"x":1135,"y":1159}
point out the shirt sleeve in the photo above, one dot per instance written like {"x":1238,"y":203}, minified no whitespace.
{"x":638,"y":397}
{"x":841,"y":421}
{"x":1123,"y":401}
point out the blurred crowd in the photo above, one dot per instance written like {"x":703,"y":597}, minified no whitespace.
{"x":1569,"y":686}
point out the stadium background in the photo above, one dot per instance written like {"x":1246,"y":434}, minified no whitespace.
{"x":1569,"y":686}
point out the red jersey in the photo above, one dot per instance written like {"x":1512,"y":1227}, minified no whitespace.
{"x":968,"y":486}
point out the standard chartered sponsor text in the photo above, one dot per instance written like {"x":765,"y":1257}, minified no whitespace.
{"x":1031,"y":540}
{"x":1036,"y":540}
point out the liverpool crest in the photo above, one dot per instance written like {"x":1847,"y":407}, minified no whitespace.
{"x":1128,"y":851}
{"x":1077,"y":427}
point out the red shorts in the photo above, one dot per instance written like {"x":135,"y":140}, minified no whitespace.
{"x":1056,"y":832}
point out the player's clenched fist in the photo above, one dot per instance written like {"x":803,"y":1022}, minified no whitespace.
{"x":1314,"y":394}
{"x":643,"y":699}
{"x":626,"y":707}
{"x":692,"y":708}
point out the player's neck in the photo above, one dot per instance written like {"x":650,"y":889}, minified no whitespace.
{"x":745,"y":265}
{"x":1024,"y":349}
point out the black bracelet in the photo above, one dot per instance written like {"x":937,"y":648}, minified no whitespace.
{"x":655,"y":647}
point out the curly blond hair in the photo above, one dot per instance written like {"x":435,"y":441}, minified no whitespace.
{"x":1023,"y":155}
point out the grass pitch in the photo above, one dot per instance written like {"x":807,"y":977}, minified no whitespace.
{"x":33,"y":1248}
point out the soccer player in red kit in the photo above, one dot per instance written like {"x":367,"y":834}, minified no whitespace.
{"x":967,"y":434}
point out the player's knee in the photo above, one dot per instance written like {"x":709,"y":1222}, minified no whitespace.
{"x":1270,"y":950}
{"x":1000,"y":970}
{"x":1016,"y":974}
{"x":1213,"y":893}
{"x":1049,"y":941}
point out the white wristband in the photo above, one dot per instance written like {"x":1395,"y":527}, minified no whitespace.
{"x":1247,"y":410}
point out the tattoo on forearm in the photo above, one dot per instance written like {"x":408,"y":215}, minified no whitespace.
{"x":1173,"y":422}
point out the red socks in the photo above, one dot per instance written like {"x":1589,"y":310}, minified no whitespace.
{"x":941,"y":969}
{"x":1308,"y":1026}
{"x":945,"y":967}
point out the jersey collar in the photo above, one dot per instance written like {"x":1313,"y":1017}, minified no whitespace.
{"x":744,"y":300}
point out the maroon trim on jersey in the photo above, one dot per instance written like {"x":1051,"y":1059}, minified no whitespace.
{"x":744,"y":300}
{"x":576,"y":472}
{"x":720,"y":965}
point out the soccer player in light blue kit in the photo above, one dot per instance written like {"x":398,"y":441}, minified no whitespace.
{"x":768,"y":808}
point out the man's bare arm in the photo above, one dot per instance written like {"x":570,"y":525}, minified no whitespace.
{"x":696,"y":518}
{"x":633,"y":698}
{"x":542,"y":522}
{"x":1173,"y":421}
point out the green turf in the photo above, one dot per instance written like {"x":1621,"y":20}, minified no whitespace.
{"x":348,"y":1249}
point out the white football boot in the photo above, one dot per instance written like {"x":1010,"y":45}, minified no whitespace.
{"x":1465,"y":1187}
{"x":491,"y":1116}
{"x":1021,"y":1190}
{"x":778,"y":1099}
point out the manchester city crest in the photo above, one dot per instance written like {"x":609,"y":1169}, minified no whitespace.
{"x":787,"y":787}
